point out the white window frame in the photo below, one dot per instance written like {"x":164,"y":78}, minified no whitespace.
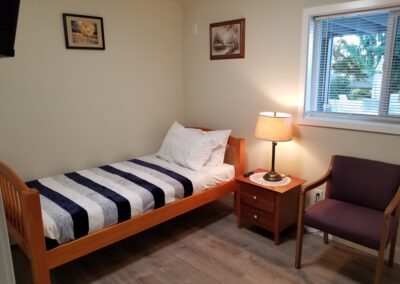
{"x":350,"y":122}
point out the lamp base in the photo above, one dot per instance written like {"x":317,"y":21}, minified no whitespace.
{"x":272,"y":176}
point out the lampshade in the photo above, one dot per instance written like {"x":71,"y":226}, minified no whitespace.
{"x":274,"y":126}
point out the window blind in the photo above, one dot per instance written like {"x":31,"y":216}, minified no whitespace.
{"x":353,"y":65}
{"x":394,"y":82}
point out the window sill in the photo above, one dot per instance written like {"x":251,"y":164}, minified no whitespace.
{"x":353,"y":124}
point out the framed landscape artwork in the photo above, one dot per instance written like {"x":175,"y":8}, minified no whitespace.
{"x":227,"y":39}
{"x":83,"y":32}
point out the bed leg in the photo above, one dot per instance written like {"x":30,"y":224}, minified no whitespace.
{"x":40,"y":274}
{"x":35,"y":236}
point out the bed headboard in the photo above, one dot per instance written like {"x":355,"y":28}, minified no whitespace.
{"x":234,"y":154}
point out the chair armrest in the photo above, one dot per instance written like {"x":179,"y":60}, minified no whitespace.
{"x":316,"y":183}
{"x":319,"y":181}
{"x":304,"y":189}
{"x":393,"y":204}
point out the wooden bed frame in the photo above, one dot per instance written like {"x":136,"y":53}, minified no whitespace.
{"x":25,"y":225}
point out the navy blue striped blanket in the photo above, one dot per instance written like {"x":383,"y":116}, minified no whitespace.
{"x":79,"y":203}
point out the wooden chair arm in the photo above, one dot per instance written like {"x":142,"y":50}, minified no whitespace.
{"x":316,"y":183}
{"x":319,"y":181}
{"x":393,"y":204}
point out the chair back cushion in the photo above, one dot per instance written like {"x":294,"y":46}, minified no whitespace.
{"x":364,"y":182}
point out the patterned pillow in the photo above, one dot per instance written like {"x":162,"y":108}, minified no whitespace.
{"x":218,"y":153}
{"x":194,"y":148}
{"x":168,"y":146}
{"x":186,"y":147}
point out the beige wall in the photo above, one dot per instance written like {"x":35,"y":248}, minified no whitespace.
{"x":63,"y":109}
{"x":230,"y":93}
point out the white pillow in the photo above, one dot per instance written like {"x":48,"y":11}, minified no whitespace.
{"x":186,"y":147}
{"x":168,"y":147}
{"x":194,"y":148}
{"x":218,"y":153}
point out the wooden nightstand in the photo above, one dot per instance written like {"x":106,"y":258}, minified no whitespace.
{"x":273,"y":208}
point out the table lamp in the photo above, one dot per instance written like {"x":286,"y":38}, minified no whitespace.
{"x":275,"y":127}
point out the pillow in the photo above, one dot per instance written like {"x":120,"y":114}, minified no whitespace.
{"x":218,"y":153}
{"x":194,"y":148}
{"x":186,"y":147}
{"x":168,"y":146}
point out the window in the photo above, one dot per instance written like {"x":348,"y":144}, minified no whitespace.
{"x":352,"y":71}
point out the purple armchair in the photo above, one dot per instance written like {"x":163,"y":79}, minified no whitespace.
{"x":361,"y":205}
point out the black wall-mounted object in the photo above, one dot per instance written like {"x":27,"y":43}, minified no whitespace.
{"x":8,"y":26}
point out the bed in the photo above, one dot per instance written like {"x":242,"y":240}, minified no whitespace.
{"x":34,"y":233}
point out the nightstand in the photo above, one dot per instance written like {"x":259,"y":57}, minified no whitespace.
{"x":273,"y":208}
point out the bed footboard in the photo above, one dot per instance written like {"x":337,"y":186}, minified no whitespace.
{"x":24,"y":221}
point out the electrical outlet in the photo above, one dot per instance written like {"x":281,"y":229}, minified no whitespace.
{"x":317,"y":195}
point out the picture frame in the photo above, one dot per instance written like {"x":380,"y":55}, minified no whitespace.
{"x":83,"y":32}
{"x":227,"y":39}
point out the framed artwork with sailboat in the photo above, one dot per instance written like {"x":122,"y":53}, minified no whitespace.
{"x":227,"y":39}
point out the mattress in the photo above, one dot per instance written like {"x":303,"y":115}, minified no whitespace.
{"x":79,"y":203}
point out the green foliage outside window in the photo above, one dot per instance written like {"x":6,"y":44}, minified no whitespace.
{"x":356,"y":63}
{"x":395,"y":76}
{"x":339,"y":85}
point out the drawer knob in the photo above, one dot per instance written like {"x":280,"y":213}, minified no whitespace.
{"x":255,"y":216}
{"x":255,"y":197}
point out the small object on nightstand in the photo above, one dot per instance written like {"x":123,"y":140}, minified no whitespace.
{"x":248,"y":174}
{"x":273,"y":208}
{"x":259,"y":179}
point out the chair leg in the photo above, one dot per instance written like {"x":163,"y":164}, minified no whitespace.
{"x":392,"y":250}
{"x":299,"y":245}
{"x":379,"y":264}
{"x":381,"y":252}
{"x":326,"y":238}
{"x":300,"y":231}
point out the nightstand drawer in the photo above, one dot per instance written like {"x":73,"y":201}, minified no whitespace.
{"x":257,"y":217}
{"x":258,"y":198}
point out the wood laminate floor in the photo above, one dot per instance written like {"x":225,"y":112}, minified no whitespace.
{"x":205,"y":246}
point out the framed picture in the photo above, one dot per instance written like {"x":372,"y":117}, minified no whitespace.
{"x":227,"y":39}
{"x":83,"y":32}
